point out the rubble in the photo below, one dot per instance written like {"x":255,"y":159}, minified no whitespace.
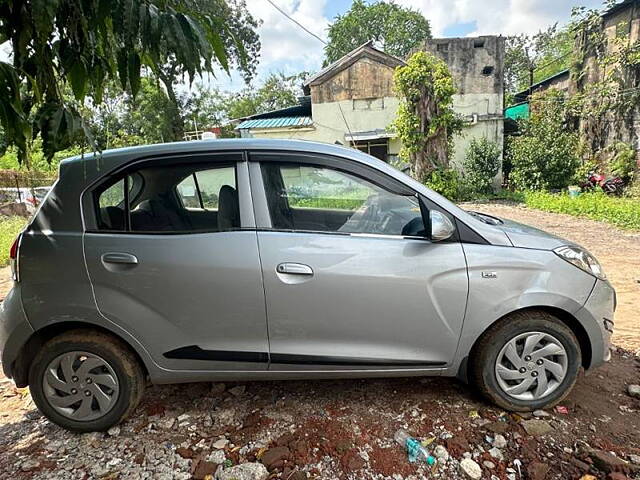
{"x":634,"y":391}
{"x":245,"y":471}
{"x":536,"y":427}
{"x":332,"y":429}
{"x":471,"y":469}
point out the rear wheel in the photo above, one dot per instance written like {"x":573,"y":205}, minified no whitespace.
{"x":86,"y":381}
{"x":527,"y":361}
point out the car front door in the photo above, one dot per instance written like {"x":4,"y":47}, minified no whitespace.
{"x":351,"y":280}
{"x":171,"y":251}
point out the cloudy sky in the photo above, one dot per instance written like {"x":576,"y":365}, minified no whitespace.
{"x":286,"y":47}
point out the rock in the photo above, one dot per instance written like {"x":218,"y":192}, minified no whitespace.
{"x":471,"y":469}
{"x":489,"y":465}
{"x":216,"y":456}
{"x":498,"y":427}
{"x":606,"y":462}
{"x":185,"y":452}
{"x":441,"y":453}
{"x":237,"y":391}
{"x":635,"y":459}
{"x":272,"y":457}
{"x":29,"y":465}
{"x":183,"y":418}
{"x":245,"y":471}
{"x":541,"y":413}
{"x":204,"y":469}
{"x":496,"y":453}
{"x":499,"y":441}
{"x":94,"y":439}
{"x":114,"y":431}
{"x":617,"y":476}
{"x":536,"y":427}
{"x":634,"y":391}
{"x":166,"y":423}
{"x":220,"y":443}
{"x":217,"y":388}
{"x":537,"y":471}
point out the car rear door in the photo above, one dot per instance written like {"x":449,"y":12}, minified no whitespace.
{"x":350,"y":280}
{"x":179,"y":268}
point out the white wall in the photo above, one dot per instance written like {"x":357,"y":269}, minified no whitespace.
{"x":329,"y":125}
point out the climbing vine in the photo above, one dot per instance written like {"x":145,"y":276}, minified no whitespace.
{"x":606,"y":72}
{"x":425,"y":121}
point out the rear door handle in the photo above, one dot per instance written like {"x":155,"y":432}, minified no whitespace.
{"x":294,"y":269}
{"x":120,"y":258}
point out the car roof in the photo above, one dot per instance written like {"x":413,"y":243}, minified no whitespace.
{"x":115,"y":157}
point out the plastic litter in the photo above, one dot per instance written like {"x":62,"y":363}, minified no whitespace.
{"x":562,"y":410}
{"x":415,"y":451}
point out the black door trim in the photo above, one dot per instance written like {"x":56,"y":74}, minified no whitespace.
{"x":194,"y":352}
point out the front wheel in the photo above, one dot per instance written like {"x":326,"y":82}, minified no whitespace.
{"x":528,"y":360}
{"x":85,"y":380}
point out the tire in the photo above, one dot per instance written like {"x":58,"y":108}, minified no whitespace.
{"x":113,"y":380}
{"x":494,"y":378}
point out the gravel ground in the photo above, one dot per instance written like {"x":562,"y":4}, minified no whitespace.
{"x":344,"y":429}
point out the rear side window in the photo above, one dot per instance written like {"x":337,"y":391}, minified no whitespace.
{"x":111,"y":207}
{"x":180,"y":198}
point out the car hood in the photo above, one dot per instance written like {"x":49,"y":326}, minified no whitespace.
{"x":525,"y":236}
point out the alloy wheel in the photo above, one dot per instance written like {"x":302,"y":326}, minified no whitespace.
{"x":80,"y":385}
{"x":531,"y":366}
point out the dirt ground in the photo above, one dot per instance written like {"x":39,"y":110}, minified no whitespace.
{"x":344,"y":429}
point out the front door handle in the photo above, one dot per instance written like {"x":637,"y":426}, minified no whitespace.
{"x":294,"y":269}
{"x":120,"y":258}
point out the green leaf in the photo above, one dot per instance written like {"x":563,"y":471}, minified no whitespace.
{"x":123,"y":67}
{"x":134,"y":72}
{"x":78,"y":79}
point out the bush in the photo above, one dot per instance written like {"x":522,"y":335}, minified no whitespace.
{"x":446,"y":182}
{"x":9,"y":229}
{"x":623,"y":212}
{"x":545,"y":155}
{"x":481,"y":165}
{"x":623,"y":162}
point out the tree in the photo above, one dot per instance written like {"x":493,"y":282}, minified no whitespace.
{"x":55,"y":44}
{"x":529,"y":59}
{"x":425,"y":121}
{"x":277,"y":91}
{"x":397,"y":29}
{"x":241,"y":43}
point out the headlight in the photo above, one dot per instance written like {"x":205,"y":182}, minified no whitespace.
{"x":581,"y":259}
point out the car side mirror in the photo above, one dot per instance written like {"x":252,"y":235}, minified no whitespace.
{"x":441,"y":227}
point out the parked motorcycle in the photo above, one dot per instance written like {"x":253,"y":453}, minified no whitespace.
{"x":610,"y":186}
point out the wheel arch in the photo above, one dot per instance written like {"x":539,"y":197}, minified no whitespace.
{"x":40,"y":337}
{"x":565,"y":317}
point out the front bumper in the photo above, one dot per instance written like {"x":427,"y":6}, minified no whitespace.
{"x":596,"y":316}
{"x":14,"y":330}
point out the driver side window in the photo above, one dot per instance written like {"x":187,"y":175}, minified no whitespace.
{"x":318,"y":198}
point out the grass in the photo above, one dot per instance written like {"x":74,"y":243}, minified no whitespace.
{"x":620,"y":211}
{"x":9,"y":229}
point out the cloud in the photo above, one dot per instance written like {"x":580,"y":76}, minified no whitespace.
{"x":285,"y":45}
{"x":506,"y":17}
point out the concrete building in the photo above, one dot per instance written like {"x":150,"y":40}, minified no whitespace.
{"x":619,"y":24}
{"x":352,"y":102}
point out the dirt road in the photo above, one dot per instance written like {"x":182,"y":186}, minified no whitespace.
{"x":344,"y":429}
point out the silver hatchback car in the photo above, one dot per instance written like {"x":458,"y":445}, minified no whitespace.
{"x":270,"y":259}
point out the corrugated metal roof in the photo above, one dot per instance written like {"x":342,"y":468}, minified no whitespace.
{"x":278,"y":122}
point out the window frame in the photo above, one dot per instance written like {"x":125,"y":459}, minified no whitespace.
{"x":340,"y":164}
{"x":208,"y":160}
